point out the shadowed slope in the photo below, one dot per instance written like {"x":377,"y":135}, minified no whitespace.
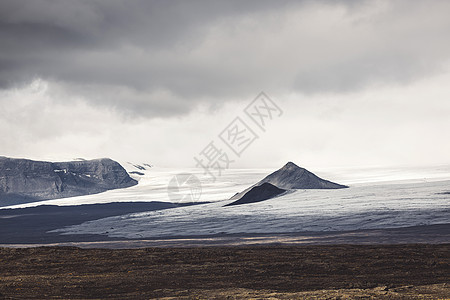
{"x":259,"y":193}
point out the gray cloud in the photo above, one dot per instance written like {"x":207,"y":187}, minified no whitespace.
{"x":162,"y":58}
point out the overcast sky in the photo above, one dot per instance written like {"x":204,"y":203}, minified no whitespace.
{"x":360,"y":83}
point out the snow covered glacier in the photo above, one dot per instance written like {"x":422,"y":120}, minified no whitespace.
{"x":362,"y":206}
{"x":377,"y":198}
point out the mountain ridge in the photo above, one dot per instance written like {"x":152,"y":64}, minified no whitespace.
{"x":24,"y":180}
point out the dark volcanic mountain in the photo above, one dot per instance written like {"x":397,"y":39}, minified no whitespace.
{"x":288,"y":177}
{"x":259,"y":193}
{"x":292,"y":176}
{"x":23,"y":180}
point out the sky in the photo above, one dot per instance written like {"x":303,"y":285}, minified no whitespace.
{"x":357,"y":83}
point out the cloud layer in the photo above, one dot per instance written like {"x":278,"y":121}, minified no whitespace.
{"x":74,"y":73}
{"x":164,"y":57}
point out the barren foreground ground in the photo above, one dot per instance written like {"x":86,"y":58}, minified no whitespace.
{"x":276,"y":272}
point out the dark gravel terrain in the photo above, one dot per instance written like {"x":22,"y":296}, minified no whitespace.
{"x":284,"y":272}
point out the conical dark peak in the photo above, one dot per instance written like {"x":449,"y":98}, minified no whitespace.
{"x":291,"y":176}
{"x":289,"y":166}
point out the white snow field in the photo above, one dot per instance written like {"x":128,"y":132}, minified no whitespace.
{"x":154,"y":183}
{"x":378,"y":199}
{"x":153,"y":186}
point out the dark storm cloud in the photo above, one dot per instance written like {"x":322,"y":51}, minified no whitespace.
{"x":158,"y":58}
{"x":94,"y":42}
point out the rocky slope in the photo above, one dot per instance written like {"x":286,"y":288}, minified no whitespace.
{"x":23,"y":180}
{"x":259,"y":193}
{"x":289,"y":177}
